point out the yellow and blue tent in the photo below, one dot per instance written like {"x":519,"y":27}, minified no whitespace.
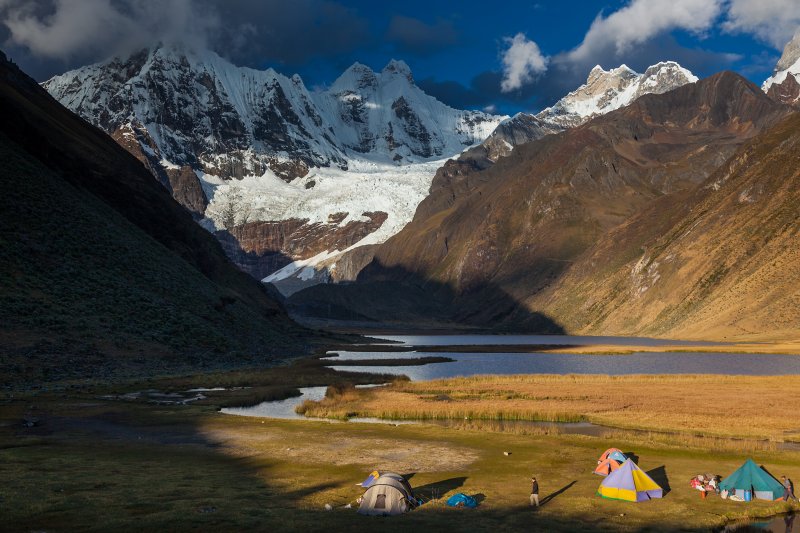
{"x":629,"y":483}
{"x":370,"y":479}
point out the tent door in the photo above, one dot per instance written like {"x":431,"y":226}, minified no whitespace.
{"x":380,"y":501}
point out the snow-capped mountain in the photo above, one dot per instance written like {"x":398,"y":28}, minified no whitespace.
{"x":519,"y":129}
{"x":607,"y":90}
{"x":784,"y":84}
{"x":386,"y":115}
{"x":603,"y":92}
{"x":200,"y":110}
{"x":281,"y":174}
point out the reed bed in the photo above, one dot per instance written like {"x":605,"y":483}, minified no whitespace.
{"x":499,"y":426}
{"x":755,"y":408}
{"x":695,"y":442}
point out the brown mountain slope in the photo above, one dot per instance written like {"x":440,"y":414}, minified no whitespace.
{"x":490,"y":240}
{"x":101,"y":269}
{"x":728,"y":265}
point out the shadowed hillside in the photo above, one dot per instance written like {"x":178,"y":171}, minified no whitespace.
{"x":101,"y":271}
{"x":721,"y":261}
{"x":523,"y":230}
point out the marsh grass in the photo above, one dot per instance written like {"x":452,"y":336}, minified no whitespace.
{"x":697,"y":406}
{"x":694,"y":442}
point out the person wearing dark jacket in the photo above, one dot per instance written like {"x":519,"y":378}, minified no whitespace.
{"x":534,"y":492}
{"x":788,"y":489}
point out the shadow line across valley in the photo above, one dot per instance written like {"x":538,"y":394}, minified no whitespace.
{"x":398,"y":296}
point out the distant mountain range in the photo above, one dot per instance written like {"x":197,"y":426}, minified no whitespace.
{"x":314,"y":164}
{"x":604,"y":91}
{"x":676,"y":215}
{"x":289,"y":179}
{"x":195,"y":108}
{"x":577,"y":218}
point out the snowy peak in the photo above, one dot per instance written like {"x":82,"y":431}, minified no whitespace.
{"x":200,"y":110}
{"x":399,"y":68}
{"x":791,"y":54}
{"x":356,"y":77}
{"x":600,"y":76}
{"x":359,"y":77}
{"x":374,"y":115}
{"x":784,"y":84}
{"x":604,"y":91}
{"x":662,"y":77}
{"x":607,"y":90}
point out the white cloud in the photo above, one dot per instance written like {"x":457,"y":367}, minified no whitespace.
{"x":772,"y":21}
{"x":522,"y":63}
{"x":641,"y":20}
{"x":75,"y":27}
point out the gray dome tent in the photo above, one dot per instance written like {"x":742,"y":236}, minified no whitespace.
{"x":390,"y":494}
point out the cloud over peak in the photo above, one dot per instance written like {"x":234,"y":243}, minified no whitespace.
{"x":773,"y":21}
{"x":639,"y":22}
{"x":63,"y":29}
{"x":523,"y":62}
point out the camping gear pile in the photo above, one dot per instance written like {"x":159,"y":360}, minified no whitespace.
{"x":387,"y":494}
{"x":629,"y":483}
{"x":609,"y":461}
{"x":750,"y":481}
{"x":705,"y":483}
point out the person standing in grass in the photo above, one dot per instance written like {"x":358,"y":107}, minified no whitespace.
{"x":534,"y":492}
{"x":788,"y":489}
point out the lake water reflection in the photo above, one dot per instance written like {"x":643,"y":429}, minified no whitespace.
{"x":469,"y":364}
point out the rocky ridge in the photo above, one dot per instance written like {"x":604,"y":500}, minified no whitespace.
{"x":784,"y":84}
{"x":603,"y":92}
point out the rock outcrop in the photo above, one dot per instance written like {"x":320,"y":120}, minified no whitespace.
{"x":262,"y":248}
{"x":784,"y":84}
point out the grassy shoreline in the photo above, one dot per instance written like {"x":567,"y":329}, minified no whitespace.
{"x":749,"y":407}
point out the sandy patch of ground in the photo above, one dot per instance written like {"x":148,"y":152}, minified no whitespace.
{"x":339,"y":448}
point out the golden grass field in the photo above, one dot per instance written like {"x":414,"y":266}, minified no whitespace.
{"x":96,"y":464}
{"x":125,"y":466}
{"x":786,"y":347}
{"x":754,"y":407}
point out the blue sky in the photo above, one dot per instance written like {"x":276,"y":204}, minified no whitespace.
{"x":458,"y":51}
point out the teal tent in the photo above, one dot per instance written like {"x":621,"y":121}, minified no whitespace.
{"x":461,"y":499}
{"x":750,"y":477}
